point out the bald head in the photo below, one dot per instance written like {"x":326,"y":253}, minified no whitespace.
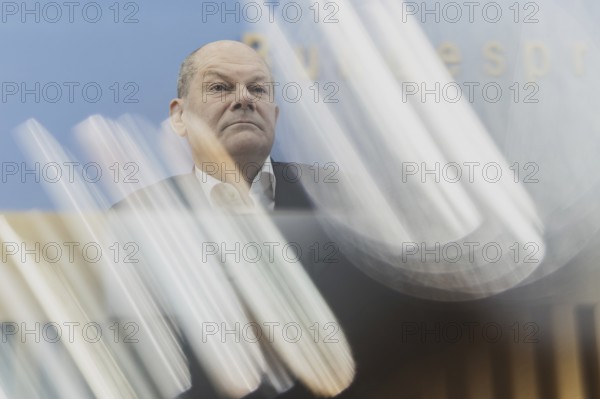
{"x":201,"y":56}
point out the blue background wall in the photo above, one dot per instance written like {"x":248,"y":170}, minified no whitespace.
{"x":143,"y":58}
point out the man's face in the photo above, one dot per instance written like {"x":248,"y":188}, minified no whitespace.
{"x":229,"y":105}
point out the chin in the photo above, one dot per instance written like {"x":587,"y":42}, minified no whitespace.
{"x":249,"y":152}
{"x":245,"y":143}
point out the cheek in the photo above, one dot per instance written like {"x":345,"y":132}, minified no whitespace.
{"x":201,"y":120}
{"x":270,"y":115}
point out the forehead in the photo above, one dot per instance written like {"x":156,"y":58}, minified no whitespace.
{"x":235,"y":63}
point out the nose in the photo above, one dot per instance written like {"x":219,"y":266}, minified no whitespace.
{"x":244,"y":99}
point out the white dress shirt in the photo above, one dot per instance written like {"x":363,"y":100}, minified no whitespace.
{"x":262,"y":189}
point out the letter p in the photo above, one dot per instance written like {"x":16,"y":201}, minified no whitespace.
{"x":209,"y":8}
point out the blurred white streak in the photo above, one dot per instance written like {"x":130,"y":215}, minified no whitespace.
{"x":385,"y":212}
{"x":561,"y":132}
{"x":197,"y":296}
{"x":93,"y":360}
{"x":21,"y":361}
{"x":169,"y":374}
{"x":273,"y":291}
{"x":455,"y":127}
{"x":176,"y":151}
{"x":280,"y":291}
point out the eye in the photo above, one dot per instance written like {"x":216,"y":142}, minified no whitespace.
{"x":258,"y":89}
{"x":218,"y":87}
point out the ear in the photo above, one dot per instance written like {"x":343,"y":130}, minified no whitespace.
{"x":176,"y":117}
{"x":276,"y":113}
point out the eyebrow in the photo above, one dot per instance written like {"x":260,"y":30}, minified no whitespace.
{"x":255,"y":78}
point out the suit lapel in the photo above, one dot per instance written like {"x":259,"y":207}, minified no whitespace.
{"x":289,"y":193}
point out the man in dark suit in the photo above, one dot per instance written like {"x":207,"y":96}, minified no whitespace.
{"x":225,"y":109}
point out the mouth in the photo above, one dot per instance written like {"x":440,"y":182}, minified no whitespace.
{"x":243,"y":123}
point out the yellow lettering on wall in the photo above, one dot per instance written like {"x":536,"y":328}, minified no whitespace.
{"x":494,"y":53}
{"x":449,"y":53}
{"x":579,"y":52}
{"x":259,"y":42}
{"x":393,"y":66}
{"x":536,"y":60}
{"x":309,"y":58}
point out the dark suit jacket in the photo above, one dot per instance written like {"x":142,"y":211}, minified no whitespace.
{"x":289,"y":195}
{"x":369,"y":313}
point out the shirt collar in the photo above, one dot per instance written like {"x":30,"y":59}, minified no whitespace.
{"x":262,"y":189}
{"x":264,"y":181}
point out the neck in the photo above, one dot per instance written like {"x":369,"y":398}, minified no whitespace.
{"x":232,"y":171}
